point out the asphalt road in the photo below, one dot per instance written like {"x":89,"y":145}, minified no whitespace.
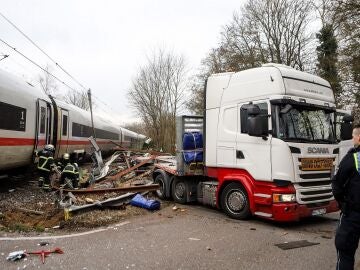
{"x":196,"y":238}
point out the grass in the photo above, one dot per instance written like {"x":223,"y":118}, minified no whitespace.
{"x":19,"y":227}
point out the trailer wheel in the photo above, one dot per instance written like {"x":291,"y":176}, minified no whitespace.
{"x":161,"y":192}
{"x":179,"y":191}
{"x":235,"y":201}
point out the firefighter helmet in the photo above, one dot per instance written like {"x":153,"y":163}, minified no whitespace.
{"x":49,"y":147}
{"x":66,"y":156}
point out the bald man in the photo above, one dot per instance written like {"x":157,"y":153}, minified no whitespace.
{"x":346,"y":190}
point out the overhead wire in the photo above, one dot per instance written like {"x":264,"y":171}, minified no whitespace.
{"x":36,"y":64}
{"x":33,"y":43}
{"x":55,"y":62}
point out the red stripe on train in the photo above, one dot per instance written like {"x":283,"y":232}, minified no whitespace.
{"x":30,"y":142}
{"x":16,"y":141}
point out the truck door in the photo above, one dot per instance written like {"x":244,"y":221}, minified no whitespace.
{"x":43,"y":127}
{"x":253,"y":154}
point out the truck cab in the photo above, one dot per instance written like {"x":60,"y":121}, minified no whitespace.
{"x":269,"y":145}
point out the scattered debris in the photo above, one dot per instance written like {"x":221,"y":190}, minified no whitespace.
{"x":44,"y":253}
{"x":68,"y":212}
{"x":127,"y":172}
{"x":194,"y":239}
{"x":175,"y":208}
{"x":12,"y":190}
{"x":43,"y":243}
{"x":30,"y":211}
{"x":88,"y":200}
{"x":16,"y":255}
{"x":295,"y":244}
{"x":252,"y":229}
{"x":208,"y":248}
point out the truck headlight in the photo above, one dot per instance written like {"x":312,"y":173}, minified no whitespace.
{"x":278,"y":198}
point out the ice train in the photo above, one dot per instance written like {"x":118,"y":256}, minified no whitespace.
{"x":29,"y":119}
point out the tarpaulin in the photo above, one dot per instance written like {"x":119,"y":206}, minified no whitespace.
{"x":142,"y":202}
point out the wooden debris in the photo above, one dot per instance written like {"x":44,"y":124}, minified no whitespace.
{"x":30,"y":211}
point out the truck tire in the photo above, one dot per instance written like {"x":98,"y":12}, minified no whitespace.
{"x":161,"y":192}
{"x":179,"y":190}
{"x":235,"y":201}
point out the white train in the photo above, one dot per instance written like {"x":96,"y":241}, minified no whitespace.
{"x":29,"y":119}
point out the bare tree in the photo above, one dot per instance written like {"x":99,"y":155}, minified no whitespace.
{"x":276,"y":30}
{"x":262,"y":31}
{"x":47,"y":82}
{"x":137,"y":127}
{"x":346,"y":14}
{"x":77,"y":98}
{"x":157,"y":95}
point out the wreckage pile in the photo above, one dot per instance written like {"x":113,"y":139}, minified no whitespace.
{"x":106,"y":186}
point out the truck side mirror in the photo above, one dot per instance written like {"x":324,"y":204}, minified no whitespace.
{"x":257,"y":123}
{"x":346,"y":127}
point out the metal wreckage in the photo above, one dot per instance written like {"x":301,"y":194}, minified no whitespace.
{"x":125,"y":174}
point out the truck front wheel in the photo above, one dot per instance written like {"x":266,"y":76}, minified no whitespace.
{"x":235,"y":201}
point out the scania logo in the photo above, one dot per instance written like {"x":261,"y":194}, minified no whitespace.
{"x":318,"y":150}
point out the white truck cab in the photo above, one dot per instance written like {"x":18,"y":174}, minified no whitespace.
{"x":269,"y":144}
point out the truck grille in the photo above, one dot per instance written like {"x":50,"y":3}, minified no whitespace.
{"x":312,"y":187}
{"x":313,"y":193}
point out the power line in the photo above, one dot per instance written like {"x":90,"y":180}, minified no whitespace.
{"x":52,"y":75}
{"x":4,"y":56}
{"x":32,"y":42}
{"x":36,"y":64}
{"x":57,"y":64}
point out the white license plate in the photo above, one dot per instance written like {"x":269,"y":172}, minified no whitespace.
{"x":317,"y":212}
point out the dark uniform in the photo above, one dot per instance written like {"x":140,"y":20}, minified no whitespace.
{"x":46,"y":160}
{"x":346,"y":190}
{"x":62,"y":163}
{"x":70,"y":173}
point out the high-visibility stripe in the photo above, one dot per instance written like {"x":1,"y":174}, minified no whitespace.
{"x":42,"y":166}
{"x":357,"y":160}
{"x":69,"y":168}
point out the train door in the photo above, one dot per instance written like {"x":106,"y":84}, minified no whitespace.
{"x":43,"y":127}
{"x":64,"y":131}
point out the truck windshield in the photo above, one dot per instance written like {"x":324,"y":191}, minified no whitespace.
{"x":304,"y":124}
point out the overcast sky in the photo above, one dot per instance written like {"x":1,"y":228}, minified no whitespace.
{"x":103,"y":43}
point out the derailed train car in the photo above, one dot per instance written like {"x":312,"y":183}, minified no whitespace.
{"x":29,"y":119}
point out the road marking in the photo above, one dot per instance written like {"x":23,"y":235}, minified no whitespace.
{"x":61,"y":236}
{"x":194,"y":239}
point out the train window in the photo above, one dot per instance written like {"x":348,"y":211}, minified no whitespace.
{"x":64,"y":125}
{"x":12,"y":117}
{"x":42,"y":119}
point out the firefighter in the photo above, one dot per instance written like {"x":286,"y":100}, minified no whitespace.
{"x":70,"y":174}
{"x":44,"y":167}
{"x":63,"y":161}
{"x":346,"y":190}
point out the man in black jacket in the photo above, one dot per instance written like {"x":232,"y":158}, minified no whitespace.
{"x":346,"y":190}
